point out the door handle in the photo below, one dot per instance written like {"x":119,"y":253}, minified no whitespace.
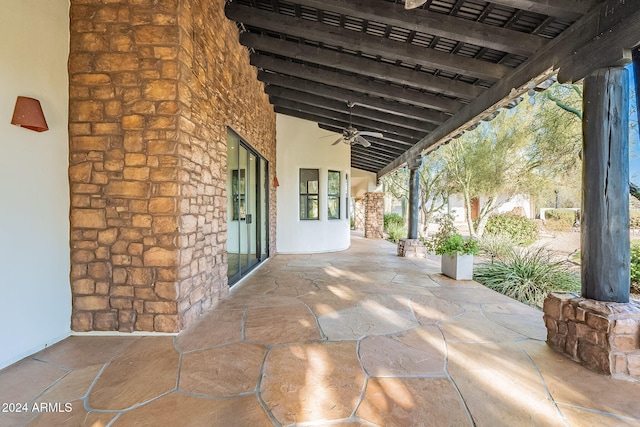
{"x":248,"y":219}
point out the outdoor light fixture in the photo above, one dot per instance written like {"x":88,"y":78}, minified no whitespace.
{"x":275,"y":182}
{"x":28,"y":114}
{"x":412,"y":4}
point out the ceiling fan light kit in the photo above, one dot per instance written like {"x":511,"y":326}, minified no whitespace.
{"x":412,"y":4}
{"x":352,"y":136}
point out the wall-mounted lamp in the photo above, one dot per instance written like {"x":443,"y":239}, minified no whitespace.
{"x":275,"y":182}
{"x":412,"y":4}
{"x":28,"y":114}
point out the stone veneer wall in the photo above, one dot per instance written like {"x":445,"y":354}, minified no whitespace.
{"x":603,"y":336}
{"x":374,"y":215}
{"x":153,"y":86}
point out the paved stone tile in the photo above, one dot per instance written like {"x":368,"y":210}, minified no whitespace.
{"x":580,"y":417}
{"x":241,"y":302}
{"x":24,"y":380}
{"x":404,"y":402}
{"x":470,"y":293}
{"x":73,"y":386}
{"x":223,"y":371}
{"x":572,"y":384}
{"x":83,"y":351}
{"x":473,"y":327}
{"x":332,"y":300}
{"x":182,"y":410}
{"x":281,"y":325}
{"x":77,"y":417}
{"x":146,"y":370}
{"x":215,"y":328}
{"x":431,"y":309}
{"x":319,"y":381}
{"x":501,"y":385}
{"x":418,"y":352}
{"x":518,"y":317}
{"x":360,"y":321}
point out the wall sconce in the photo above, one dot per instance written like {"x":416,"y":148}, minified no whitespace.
{"x":28,"y":114}
{"x":275,"y":182}
{"x":412,"y":4}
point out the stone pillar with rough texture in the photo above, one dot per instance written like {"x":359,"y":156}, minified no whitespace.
{"x":152,"y":89}
{"x":374,"y":215}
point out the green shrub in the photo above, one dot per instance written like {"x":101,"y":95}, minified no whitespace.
{"x":528,"y":275}
{"x":396,"y":232}
{"x":392,"y":219}
{"x":448,"y":240}
{"x":496,"y":245}
{"x":635,"y":268}
{"x":560,"y":219}
{"x":521,"y":230}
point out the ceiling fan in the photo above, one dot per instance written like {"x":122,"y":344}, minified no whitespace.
{"x":352,"y":136}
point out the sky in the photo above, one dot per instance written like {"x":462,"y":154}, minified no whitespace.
{"x":634,"y":143}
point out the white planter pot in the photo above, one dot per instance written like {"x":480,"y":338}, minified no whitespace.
{"x":458,"y":267}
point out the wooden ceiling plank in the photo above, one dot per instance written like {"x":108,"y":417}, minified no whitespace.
{"x":354,"y":64}
{"x":595,"y":27}
{"x":355,"y":83}
{"x":565,"y":9}
{"x":366,"y":43}
{"x":437,"y":24}
{"x":385,"y":128}
{"x":357,"y":110}
{"x":345,"y":95}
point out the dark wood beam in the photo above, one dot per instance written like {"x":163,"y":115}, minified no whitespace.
{"x":344,"y":95}
{"x":385,"y":128}
{"x":566,"y":9}
{"x":356,"y":83}
{"x":365,"y":43}
{"x":367,"y":67}
{"x":340,"y":106}
{"x":532,"y":72}
{"x":363,"y":166}
{"x":370,"y":153}
{"x":437,"y":24}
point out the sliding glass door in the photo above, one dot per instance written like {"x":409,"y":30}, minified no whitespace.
{"x":247,"y":216}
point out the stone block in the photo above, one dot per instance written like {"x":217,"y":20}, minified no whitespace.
{"x":99,"y":270}
{"x":599,"y":322}
{"x":81,"y":172}
{"x":139,"y":276}
{"x":633,"y":363}
{"x":159,"y":257}
{"x":128,"y":189}
{"x":568,"y":311}
{"x":164,"y":224}
{"x":166,"y":323}
{"x":160,"y":90}
{"x":162,"y":205}
{"x":89,"y":143}
{"x":91,"y":303}
{"x":83,"y":287}
{"x":624,"y":343}
{"x":166,"y":290}
{"x":626,"y":326}
{"x":144,"y":322}
{"x":82,"y":322}
{"x":161,"y":307}
{"x":116,"y":61}
{"x":88,"y":218}
{"x":158,"y":34}
{"x":86,"y":111}
{"x":121,"y":303}
{"x":105,"y":321}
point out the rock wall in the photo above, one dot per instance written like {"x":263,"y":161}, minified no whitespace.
{"x":154,"y":84}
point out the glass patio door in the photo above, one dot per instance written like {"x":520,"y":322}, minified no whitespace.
{"x":247,"y":216}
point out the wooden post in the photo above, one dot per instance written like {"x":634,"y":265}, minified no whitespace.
{"x":605,"y":186}
{"x":414,"y":196}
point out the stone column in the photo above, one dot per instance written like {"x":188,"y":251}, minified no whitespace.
{"x":605,"y":186}
{"x":374,"y":216}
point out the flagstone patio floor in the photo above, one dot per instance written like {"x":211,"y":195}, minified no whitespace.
{"x":354,"y":338}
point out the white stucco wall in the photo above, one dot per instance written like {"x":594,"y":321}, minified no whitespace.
{"x":301,"y":144}
{"x":35,"y":301}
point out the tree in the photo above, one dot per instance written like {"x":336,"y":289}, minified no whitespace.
{"x":523,"y":151}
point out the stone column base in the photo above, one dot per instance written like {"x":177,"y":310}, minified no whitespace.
{"x":412,"y":248}
{"x":603,"y":336}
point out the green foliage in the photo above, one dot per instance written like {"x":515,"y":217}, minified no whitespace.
{"x":520,"y":229}
{"x":635,"y":268}
{"x":448,"y":241}
{"x":527,"y":275}
{"x":496,"y":245}
{"x":392,"y":220}
{"x":560,"y":219}
{"x":634,"y":219}
{"x":396,"y":232}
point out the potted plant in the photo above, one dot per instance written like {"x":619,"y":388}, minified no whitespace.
{"x":457,"y":252}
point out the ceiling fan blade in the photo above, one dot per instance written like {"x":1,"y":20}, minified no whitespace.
{"x":338,"y":141}
{"x":373,"y":134}
{"x":360,"y":140}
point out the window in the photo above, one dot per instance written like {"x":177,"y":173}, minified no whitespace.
{"x":309,"y":180}
{"x":333,"y":195}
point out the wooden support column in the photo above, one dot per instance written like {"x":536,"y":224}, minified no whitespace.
{"x":605,"y":186}
{"x":414,"y":196}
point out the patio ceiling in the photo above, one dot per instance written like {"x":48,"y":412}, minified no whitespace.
{"x":423,"y":76}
